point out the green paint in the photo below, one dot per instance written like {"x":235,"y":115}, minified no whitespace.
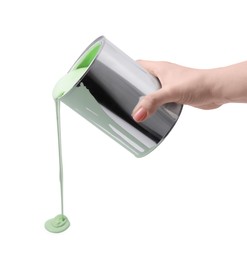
{"x":58,"y":224}
{"x":65,"y":84}
{"x":88,"y":57}
{"x":60,"y":150}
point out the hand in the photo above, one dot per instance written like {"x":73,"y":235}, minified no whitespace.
{"x":178,"y":84}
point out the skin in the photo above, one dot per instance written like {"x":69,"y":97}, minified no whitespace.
{"x":201,"y":88}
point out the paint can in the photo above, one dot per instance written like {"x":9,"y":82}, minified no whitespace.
{"x":108,"y":86}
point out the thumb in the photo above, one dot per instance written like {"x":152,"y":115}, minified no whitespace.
{"x":149,"y":104}
{"x":150,"y":66}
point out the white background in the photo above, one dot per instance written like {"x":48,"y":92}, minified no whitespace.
{"x":186,"y":200}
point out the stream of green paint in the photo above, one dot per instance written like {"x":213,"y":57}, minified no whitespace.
{"x":60,"y":223}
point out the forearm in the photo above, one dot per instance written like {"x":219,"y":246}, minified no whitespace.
{"x":229,"y":84}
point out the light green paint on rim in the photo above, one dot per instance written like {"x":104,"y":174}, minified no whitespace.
{"x":88,"y":57}
{"x":65,"y":84}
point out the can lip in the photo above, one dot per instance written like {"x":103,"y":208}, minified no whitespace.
{"x":67,"y":82}
{"x":90,"y":54}
{"x":81,"y":67}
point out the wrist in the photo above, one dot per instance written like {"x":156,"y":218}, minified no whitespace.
{"x":215,"y":82}
{"x":229,"y":84}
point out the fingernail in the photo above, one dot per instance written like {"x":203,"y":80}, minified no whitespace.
{"x":140,"y":114}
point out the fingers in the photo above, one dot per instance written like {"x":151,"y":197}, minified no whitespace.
{"x":146,"y":105}
{"x":139,"y":113}
{"x":149,"y":104}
